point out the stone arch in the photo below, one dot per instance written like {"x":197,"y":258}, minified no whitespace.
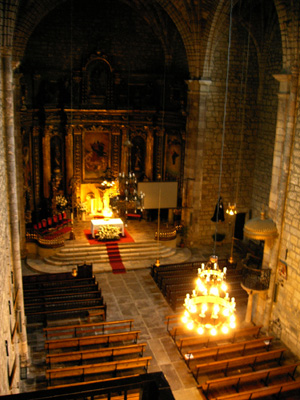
{"x":288,"y":21}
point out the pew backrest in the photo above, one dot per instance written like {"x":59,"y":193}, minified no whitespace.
{"x":89,"y":369}
{"x":107,"y":352}
{"x":105,"y":339}
{"x":262,"y":392}
{"x":224,"y":349}
{"x":251,"y":360}
{"x":237,"y":380}
{"x":80,"y":329}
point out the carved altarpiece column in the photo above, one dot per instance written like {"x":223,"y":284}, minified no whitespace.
{"x":46,"y":161}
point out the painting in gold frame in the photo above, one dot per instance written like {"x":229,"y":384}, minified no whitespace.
{"x":96,"y":154}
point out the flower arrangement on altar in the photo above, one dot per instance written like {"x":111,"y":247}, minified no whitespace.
{"x":108,"y":232}
{"x":61,"y":202}
{"x":82,"y":207}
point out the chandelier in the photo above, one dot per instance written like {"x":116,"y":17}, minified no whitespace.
{"x":209,"y":308}
{"x":127,"y":197}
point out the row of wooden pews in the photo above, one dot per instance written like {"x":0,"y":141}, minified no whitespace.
{"x":57,"y":296}
{"x":176,"y":280}
{"x":88,"y":349}
{"x":243,"y":364}
{"x":95,"y":351}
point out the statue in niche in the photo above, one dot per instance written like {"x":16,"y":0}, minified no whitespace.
{"x":138,"y":155}
{"x":138,"y":159}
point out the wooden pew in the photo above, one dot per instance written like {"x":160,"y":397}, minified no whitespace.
{"x":91,"y":369}
{"x":236,"y":381}
{"x":57,"y":284}
{"x":156,"y":271}
{"x":104,"y":340}
{"x":41,"y":303}
{"x":277,"y":389}
{"x":43,"y":316}
{"x":207,"y":339}
{"x":107,"y":352}
{"x":60,"y":276}
{"x":44,"y":293}
{"x":225,"y":349}
{"x":188,"y":287}
{"x":81,"y":329}
{"x":238,"y":362}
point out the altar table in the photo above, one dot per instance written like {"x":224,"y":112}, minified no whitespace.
{"x":95,"y":223}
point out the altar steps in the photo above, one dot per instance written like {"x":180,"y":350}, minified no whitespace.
{"x":75,"y":253}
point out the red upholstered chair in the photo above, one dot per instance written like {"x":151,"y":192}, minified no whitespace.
{"x":65,"y":218}
{"x":44,"y":223}
{"x":55,"y":220}
{"x":40,"y":226}
{"x":35,"y":227}
{"x":49,"y":222}
{"x":60,"y":219}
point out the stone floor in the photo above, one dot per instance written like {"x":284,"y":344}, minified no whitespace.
{"x":133,"y":294}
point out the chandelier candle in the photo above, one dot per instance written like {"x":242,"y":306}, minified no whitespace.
{"x":209,"y":309}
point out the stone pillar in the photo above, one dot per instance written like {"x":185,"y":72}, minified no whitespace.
{"x":287,"y":97}
{"x":46,"y":162}
{"x":248,"y":316}
{"x":198,"y":91}
{"x":11,"y":180}
{"x":19,"y":159}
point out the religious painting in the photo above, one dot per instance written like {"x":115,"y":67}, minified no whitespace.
{"x":282,"y":269}
{"x":172,"y":157}
{"x":96,"y":153}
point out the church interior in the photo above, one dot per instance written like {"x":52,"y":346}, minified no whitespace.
{"x":149,"y":154}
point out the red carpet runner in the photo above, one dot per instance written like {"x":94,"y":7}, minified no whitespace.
{"x":115,"y":258}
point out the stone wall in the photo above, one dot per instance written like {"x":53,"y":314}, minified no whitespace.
{"x":235,"y":166}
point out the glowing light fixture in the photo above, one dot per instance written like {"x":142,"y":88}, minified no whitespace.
{"x":231,"y":210}
{"x":209,"y":309}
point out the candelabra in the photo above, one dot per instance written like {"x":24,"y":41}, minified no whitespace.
{"x":127,"y":197}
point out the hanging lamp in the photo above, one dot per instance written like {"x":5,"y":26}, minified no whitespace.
{"x":209,"y":309}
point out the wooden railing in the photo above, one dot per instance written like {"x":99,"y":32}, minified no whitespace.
{"x":31,"y":236}
{"x":149,"y":386}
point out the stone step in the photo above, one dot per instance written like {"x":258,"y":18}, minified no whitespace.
{"x":73,"y":254}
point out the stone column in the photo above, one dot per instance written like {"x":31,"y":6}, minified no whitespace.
{"x":198,"y":91}
{"x":46,"y":162}
{"x":19,"y":159}
{"x":7,"y":103}
{"x":287,"y":97}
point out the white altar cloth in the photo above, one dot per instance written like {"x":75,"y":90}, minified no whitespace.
{"x":95,"y":223}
